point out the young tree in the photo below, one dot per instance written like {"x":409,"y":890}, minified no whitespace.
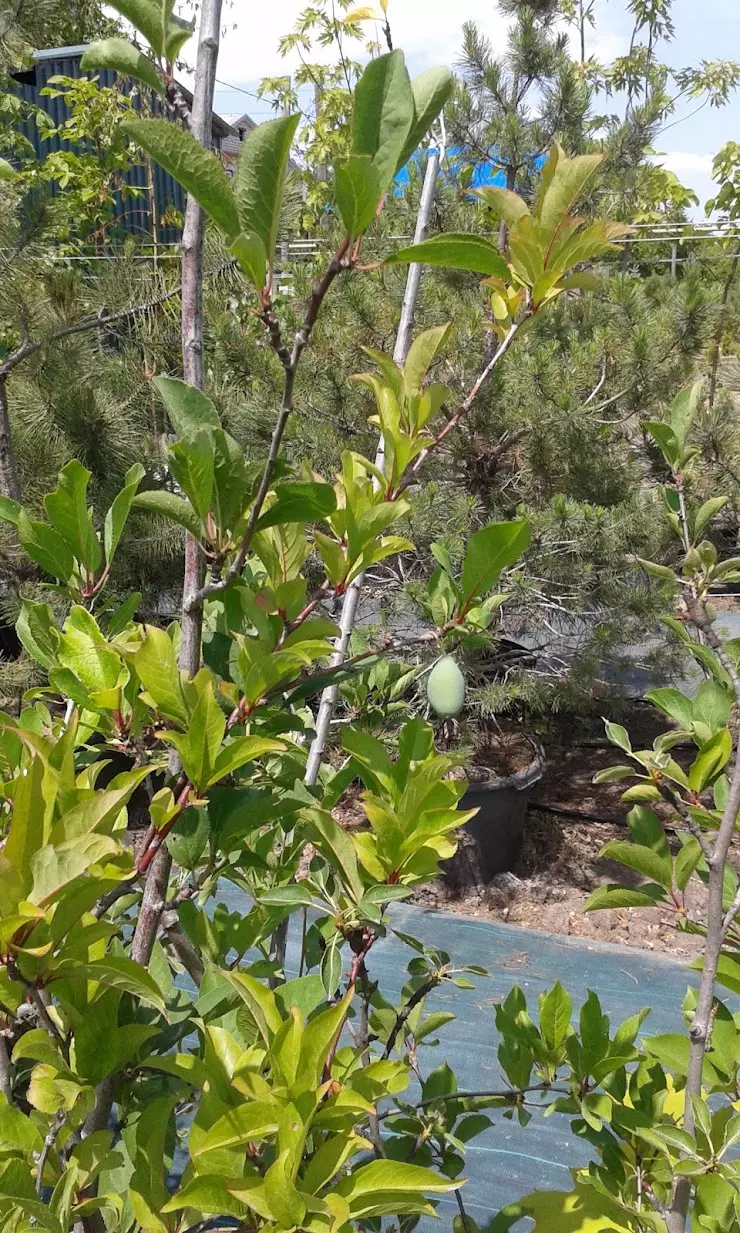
{"x":286,"y":1111}
{"x":510,"y":108}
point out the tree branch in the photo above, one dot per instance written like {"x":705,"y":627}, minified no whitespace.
{"x":717,"y":341}
{"x":302,"y":335}
{"x":49,"y":1140}
{"x":417,"y":996}
{"x":462,"y":410}
{"x":30,"y":346}
{"x":701,"y":1026}
{"x":184,"y":949}
{"x":510,"y":1094}
{"x":6,"y":1084}
{"x":201,"y":125}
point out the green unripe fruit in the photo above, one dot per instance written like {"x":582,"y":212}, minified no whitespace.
{"x":446,"y":687}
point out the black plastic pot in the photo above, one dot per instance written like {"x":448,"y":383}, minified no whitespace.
{"x":491,"y":841}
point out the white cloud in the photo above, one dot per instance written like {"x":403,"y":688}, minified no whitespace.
{"x":686,"y":162}
{"x":429,"y":30}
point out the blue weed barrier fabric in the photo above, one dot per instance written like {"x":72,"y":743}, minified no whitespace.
{"x":507,"y":1161}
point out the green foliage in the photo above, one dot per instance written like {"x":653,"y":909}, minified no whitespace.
{"x":292,"y":1086}
{"x":94,"y":155}
{"x":68,"y":547}
{"x":544,"y":244}
{"x":122,"y":58}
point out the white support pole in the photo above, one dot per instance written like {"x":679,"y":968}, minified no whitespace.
{"x":354,"y":590}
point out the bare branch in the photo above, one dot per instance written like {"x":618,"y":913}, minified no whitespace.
{"x":417,"y":996}
{"x":49,"y":1140}
{"x":6,"y":1085}
{"x":30,"y":346}
{"x":463,"y":409}
{"x":201,"y":125}
{"x":316,"y":299}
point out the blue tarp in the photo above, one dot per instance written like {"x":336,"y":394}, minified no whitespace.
{"x":508,"y":1161}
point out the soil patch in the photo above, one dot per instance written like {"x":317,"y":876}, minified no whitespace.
{"x":569,"y":821}
{"x":500,"y":754}
{"x":558,"y":868}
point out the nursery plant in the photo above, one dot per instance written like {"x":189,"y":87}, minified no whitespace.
{"x":164,"y":1065}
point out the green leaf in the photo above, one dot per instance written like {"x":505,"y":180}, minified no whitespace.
{"x":432,"y":1023}
{"x":666,"y":440}
{"x":610,"y":774}
{"x":305,"y":992}
{"x":200,"y":746}
{"x":9,"y":509}
{"x":37,"y":631}
{"x":728,"y":971}
{"x":624,"y":897}
{"x":440,"y":1082}
{"x":28,"y":829}
{"x":56,"y":865}
{"x":507,"y":206}
{"x":644,"y":860}
{"x":188,"y":408}
{"x":711,"y":705}
{"x":116,"y":972}
{"x":383,"y":114}
{"x":357,"y":191}
{"x":489,"y":551}
{"x":292,"y":896}
{"x":123,"y":614}
{"x":709,"y":761}
{"x":456,"y":251}
{"x":392,"y":1175}
{"x":337,"y":847}
{"x":199,"y":171}
{"x":191,"y":463}
{"x":115,"y":519}
{"x":430,"y":91}
{"x":563,"y":190}
{"x":618,"y":736}
{"x":187,"y":840}
{"x":687,"y":861}
{"x":683,"y":410}
{"x":46,"y":547}
{"x":259,"y":1001}
{"x":177,"y":33}
{"x":284,"y":1199}
{"x":555,"y":1012}
{"x":646,"y":828}
{"x":673,"y":703}
{"x":7,"y":172}
{"x":251,"y":256}
{"x":249,"y":1121}
{"x":68,"y":513}
{"x":331,"y":967}
{"x":421,"y":355}
{"x":209,"y":1193}
{"x":584,"y":280}
{"x":706,"y":512}
{"x":156,"y":666}
{"x":299,"y":503}
{"x":260,"y":178}
{"x":146,"y":16}
{"x":241,"y":751}
{"x":123,"y":58}
{"x":168,"y":505}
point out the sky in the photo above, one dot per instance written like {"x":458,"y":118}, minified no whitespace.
{"x":429,"y":33}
